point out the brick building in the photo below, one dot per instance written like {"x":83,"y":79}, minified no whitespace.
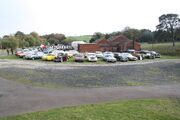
{"x":114,"y":44}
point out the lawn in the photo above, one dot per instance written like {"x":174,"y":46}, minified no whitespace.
{"x":147,"y":109}
{"x":170,"y":57}
{"x":9,"y":57}
{"x":164,"y":48}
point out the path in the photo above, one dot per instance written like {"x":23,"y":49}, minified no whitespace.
{"x":16,"y":98}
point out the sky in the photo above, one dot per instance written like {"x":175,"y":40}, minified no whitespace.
{"x":81,"y":17}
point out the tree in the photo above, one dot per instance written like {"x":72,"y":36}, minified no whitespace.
{"x":54,"y":38}
{"x":169,"y":23}
{"x":146,"y":36}
{"x":97,"y":35}
{"x":133,"y":34}
{"x":0,"y":43}
{"x":39,"y":40}
{"x":20,"y":37}
{"x":29,"y":40}
{"x":9,"y":42}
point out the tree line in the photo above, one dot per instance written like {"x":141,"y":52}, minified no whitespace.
{"x":21,"y":40}
{"x":143,"y":35}
{"x":168,"y":30}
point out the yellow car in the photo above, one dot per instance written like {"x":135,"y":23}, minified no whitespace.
{"x":70,"y":55}
{"x":49,"y":57}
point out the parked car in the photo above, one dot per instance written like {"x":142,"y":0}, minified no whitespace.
{"x":138,"y":55}
{"x":108,"y":53}
{"x":31,"y":56}
{"x":109,"y":58}
{"x":91,"y":57}
{"x":157,"y":55}
{"x":129,"y":56}
{"x":61,"y":57}
{"x":120,"y":57}
{"x":47,"y":50}
{"x":36,"y":55}
{"x":49,"y":57}
{"x":135,"y":54}
{"x":74,"y":52}
{"x":79,"y":58}
{"x":99,"y":54}
{"x":69,"y":54}
{"x":147,"y":54}
{"x":23,"y":54}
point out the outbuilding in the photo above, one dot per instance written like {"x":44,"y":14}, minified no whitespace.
{"x":114,"y":44}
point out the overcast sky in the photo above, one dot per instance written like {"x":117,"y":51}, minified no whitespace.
{"x":81,"y":17}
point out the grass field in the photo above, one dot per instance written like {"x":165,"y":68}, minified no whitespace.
{"x":84,"y":38}
{"x":3,"y":52}
{"x":147,"y":109}
{"x":164,"y":48}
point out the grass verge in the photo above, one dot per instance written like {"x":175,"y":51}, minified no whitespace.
{"x":170,"y":57}
{"x":147,"y":109}
{"x":9,"y":57}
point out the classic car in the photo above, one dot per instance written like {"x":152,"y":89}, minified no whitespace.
{"x":109,"y":58}
{"x":129,"y":56}
{"x":33,"y":56}
{"x":92,"y":57}
{"x":107,"y":53}
{"x":147,"y":54}
{"x":49,"y":57}
{"x":79,"y":58}
{"x":99,"y":54}
{"x":120,"y":57}
{"x":157,"y":55}
{"x":61,"y":57}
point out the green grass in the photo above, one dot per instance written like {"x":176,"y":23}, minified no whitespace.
{"x":9,"y":57}
{"x":85,"y":38}
{"x":170,"y":57}
{"x":164,"y":48}
{"x":147,"y":109}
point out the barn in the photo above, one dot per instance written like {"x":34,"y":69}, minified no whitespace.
{"x":113,"y":44}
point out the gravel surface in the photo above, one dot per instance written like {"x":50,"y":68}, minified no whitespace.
{"x":120,"y":81}
{"x":96,"y":75}
{"x":16,"y":98}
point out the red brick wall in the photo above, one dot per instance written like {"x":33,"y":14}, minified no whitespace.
{"x":136,"y":45}
{"x":89,"y":48}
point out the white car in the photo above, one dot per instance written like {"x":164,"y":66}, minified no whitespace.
{"x":109,"y":58}
{"x":108,"y":53}
{"x":129,"y":56}
{"x":91,"y":57}
{"x":99,"y":54}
